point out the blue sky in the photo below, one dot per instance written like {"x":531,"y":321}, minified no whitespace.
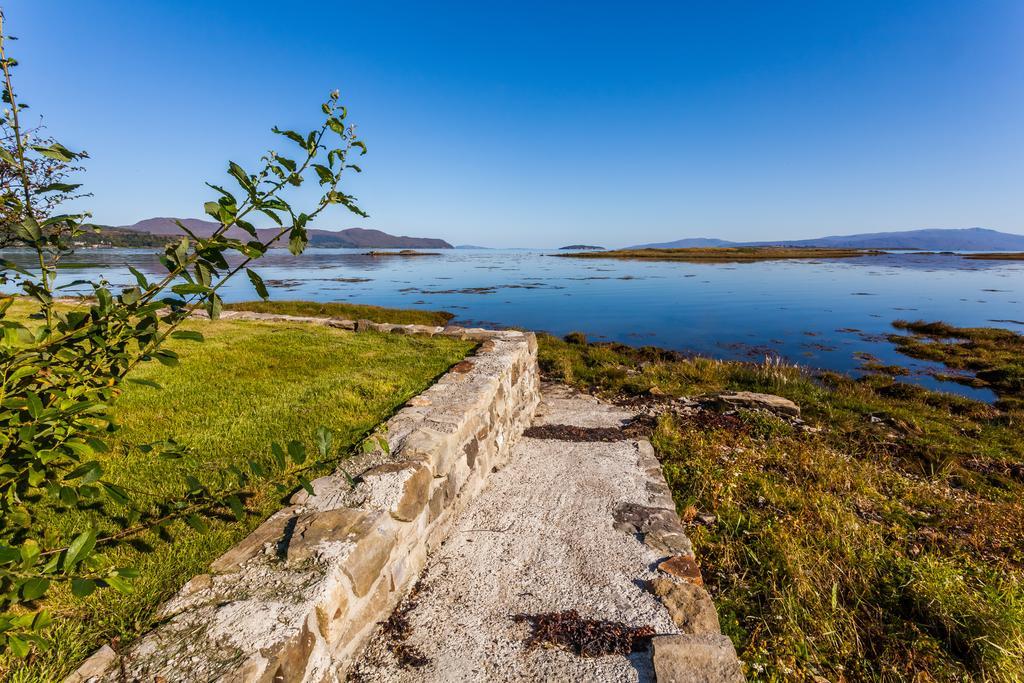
{"x":541,"y":124}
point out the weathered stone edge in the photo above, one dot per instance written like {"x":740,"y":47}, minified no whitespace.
{"x":699,"y":651}
{"x":461,"y":429}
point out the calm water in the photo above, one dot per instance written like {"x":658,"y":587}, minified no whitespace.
{"x":820,"y":313}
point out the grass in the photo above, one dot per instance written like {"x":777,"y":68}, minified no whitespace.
{"x":247,"y":385}
{"x":723,"y":254}
{"x":994,"y":357}
{"x":378,"y":314}
{"x":997,"y":256}
{"x":887,"y":546}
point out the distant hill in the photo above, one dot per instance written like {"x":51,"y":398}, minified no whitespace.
{"x":581,"y":247}
{"x":956,"y":239}
{"x":119,"y":237}
{"x":351,"y":238}
{"x":945,"y":239}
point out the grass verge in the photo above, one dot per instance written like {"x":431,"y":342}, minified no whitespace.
{"x":247,"y":385}
{"x":889,"y":545}
{"x":378,"y":314}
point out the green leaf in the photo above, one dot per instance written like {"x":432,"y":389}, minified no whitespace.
{"x":257,"y":282}
{"x":187,"y":289}
{"x":239,"y":174}
{"x":291,"y":135}
{"x":297,"y":452}
{"x":167,"y":357}
{"x":9,"y":554}
{"x":28,"y":230}
{"x":297,"y":241}
{"x":324,"y":438}
{"x":279,"y":458}
{"x":214,"y":305}
{"x":7,"y":156}
{"x":81,"y":588}
{"x":35,"y":588}
{"x":116,"y":493}
{"x":79,"y":549}
{"x":130,"y":295}
{"x":29,"y":553}
{"x":236,"y":507}
{"x":197,"y":523}
{"x":58,"y":187}
{"x":118,"y":583}
{"x":88,"y":472}
{"x":42,"y":620}
{"x":57,"y":152}
{"x":18,"y":646}
{"x":11,"y":265}
{"x":189,"y":335}
{"x":68,"y":495}
{"x":325,"y":174}
{"x":35,"y":405}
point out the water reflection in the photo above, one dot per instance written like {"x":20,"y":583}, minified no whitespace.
{"x":820,"y":313}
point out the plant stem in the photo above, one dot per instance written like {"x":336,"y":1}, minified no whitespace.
{"x":26,"y":184}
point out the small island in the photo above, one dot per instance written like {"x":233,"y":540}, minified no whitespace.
{"x":403,"y":252}
{"x":1004,"y":256}
{"x":726,"y":254}
{"x":581,"y":247}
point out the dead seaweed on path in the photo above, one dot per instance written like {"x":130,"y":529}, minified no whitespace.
{"x":397,"y":629}
{"x":584,"y":637}
{"x":576,"y":433}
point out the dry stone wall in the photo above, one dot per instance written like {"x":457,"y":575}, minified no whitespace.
{"x":295,"y":600}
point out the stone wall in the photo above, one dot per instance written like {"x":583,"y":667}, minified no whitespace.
{"x":295,"y":600}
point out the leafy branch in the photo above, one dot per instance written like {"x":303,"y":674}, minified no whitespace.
{"x":62,"y":367}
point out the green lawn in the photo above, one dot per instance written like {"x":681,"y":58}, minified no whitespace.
{"x":248,"y":384}
{"x":888,"y":546}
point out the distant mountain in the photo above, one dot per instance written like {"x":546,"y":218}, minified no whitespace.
{"x":352,"y":238}
{"x":944,"y":239}
{"x":954,"y":239}
{"x":699,"y":242}
{"x":581,"y":247}
{"x":470,"y":246}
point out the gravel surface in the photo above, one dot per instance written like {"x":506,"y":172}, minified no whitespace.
{"x":538,"y":539}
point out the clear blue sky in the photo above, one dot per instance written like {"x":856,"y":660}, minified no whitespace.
{"x":547,"y":123}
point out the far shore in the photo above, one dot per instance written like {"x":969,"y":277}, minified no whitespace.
{"x":727,"y":254}
{"x":996,"y":256}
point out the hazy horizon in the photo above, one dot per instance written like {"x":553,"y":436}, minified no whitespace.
{"x":618,"y":244}
{"x":548,"y":126}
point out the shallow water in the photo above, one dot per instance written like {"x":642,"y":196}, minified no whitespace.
{"x":819,"y":313}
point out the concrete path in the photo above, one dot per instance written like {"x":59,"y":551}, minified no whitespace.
{"x":541,"y":538}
